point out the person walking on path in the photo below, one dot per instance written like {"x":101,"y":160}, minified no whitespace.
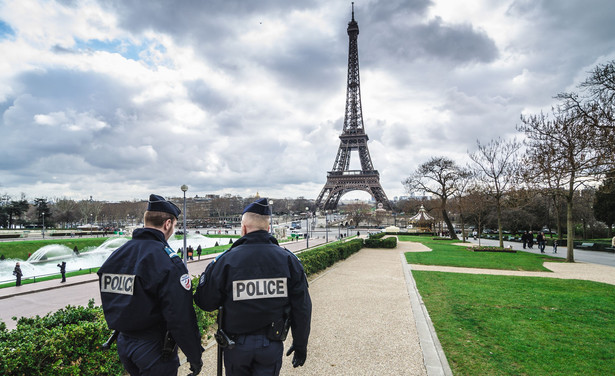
{"x":530,"y":240}
{"x":554,"y":245}
{"x":62,"y":267}
{"x":199,"y":251}
{"x":524,"y":239}
{"x":17,"y":273}
{"x":146,"y":295}
{"x":262,"y":289}
{"x":540,"y":239}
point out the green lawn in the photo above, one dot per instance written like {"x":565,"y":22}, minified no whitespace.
{"x":502,"y":325}
{"x":446,"y":254}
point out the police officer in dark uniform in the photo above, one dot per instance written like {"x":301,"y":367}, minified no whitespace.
{"x":146,"y":295}
{"x":261,"y":287}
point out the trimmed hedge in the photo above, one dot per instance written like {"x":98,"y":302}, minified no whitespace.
{"x":320,"y":258}
{"x":66,"y":342}
{"x":381,"y":243}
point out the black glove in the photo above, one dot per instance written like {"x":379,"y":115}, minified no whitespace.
{"x":195,"y":368}
{"x":299,"y":357}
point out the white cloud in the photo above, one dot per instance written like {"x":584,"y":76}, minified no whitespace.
{"x":119,"y":99}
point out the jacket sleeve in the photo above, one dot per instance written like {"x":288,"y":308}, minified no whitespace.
{"x":208,"y":295}
{"x":300,"y":303}
{"x":178,"y":312}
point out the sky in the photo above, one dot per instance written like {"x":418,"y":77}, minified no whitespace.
{"x":118,"y":99}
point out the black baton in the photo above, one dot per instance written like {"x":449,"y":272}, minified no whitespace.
{"x":112,"y":338}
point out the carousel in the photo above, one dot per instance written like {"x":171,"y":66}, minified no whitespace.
{"x":421,"y":222}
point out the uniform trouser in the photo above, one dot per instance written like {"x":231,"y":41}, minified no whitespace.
{"x":143,"y":357}
{"x":254,"y":355}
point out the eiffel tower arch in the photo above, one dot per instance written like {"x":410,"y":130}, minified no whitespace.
{"x":341,"y":180}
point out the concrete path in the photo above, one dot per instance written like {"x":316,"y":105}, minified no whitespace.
{"x":365,"y":318}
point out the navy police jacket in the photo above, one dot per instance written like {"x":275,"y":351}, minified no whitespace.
{"x":145,"y":290}
{"x":254,"y":281}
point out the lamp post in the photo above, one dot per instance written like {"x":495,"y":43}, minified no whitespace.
{"x":326,"y":227}
{"x":271,"y":216}
{"x":307,"y":227}
{"x":184,"y":188}
{"x":43,"y":225}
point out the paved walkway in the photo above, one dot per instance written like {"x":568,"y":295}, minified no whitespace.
{"x":367,"y":320}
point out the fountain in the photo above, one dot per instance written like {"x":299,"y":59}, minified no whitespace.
{"x":44,"y":261}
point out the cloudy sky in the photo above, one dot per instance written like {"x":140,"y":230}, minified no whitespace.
{"x":119,"y":99}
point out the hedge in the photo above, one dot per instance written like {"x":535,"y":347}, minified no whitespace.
{"x":67,"y":342}
{"x":320,"y":258}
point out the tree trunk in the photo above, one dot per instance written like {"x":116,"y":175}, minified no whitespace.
{"x":463,"y":228}
{"x":499,"y":210}
{"x":447,"y":220}
{"x":570,"y":227}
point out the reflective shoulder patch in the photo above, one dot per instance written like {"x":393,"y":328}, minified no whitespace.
{"x":289,"y":251}
{"x":186,"y":282}
{"x":263,"y":288}
{"x":170,"y":252}
{"x":220,"y":255}
{"x":117,"y":283}
{"x":202,"y":279}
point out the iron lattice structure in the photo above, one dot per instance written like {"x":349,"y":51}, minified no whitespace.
{"x":341,"y":179}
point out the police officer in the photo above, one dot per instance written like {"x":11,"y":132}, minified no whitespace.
{"x":146,"y":295}
{"x":259,"y":285}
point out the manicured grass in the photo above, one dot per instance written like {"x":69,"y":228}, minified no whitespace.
{"x":446,"y":254}
{"x":21,"y":248}
{"x":502,"y":325}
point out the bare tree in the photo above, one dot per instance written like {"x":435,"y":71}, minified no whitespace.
{"x":64,"y":211}
{"x":439,"y":176}
{"x":595,"y":105}
{"x":477,"y":206}
{"x":358,"y":212}
{"x":498,"y":169}
{"x":564,"y":144}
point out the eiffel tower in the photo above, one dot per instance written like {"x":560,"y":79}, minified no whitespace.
{"x":341,"y":180}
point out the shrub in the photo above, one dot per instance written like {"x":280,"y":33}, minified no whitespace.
{"x":66,"y":342}
{"x":321,"y":258}
{"x":390,"y":242}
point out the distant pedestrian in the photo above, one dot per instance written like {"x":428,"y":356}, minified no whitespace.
{"x":554,"y":245}
{"x":17,"y":273}
{"x":76,"y":251}
{"x":199,"y":251}
{"x":540,"y":239}
{"x":190,"y":251}
{"x":62,"y":267}
{"x":524,"y":239}
{"x":530,"y":240}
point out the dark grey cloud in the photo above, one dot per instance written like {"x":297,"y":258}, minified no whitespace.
{"x":206,"y":96}
{"x":206,"y":23}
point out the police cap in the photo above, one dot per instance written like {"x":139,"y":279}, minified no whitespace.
{"x":159,"y":204}
{"x":259,"y":207}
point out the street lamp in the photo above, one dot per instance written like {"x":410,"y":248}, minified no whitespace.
{"x":271,"y":216}
{"x":43,"y":225}
{"x":184,"y":188}
{"x":326,"y":228}
{"x":307,"y":227}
